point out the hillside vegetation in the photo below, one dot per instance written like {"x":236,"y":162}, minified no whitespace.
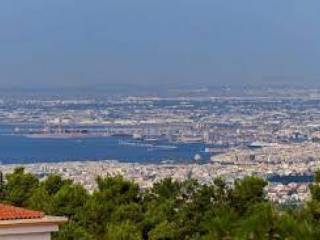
{"x":119,"y":210}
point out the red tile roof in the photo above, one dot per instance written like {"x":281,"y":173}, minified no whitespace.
{"x":8,"y":212}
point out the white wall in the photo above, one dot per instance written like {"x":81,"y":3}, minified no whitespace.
{"x":34,"y":236}
{"x":28,"y":232}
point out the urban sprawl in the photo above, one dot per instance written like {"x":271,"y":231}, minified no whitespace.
{"x":276,"y":137}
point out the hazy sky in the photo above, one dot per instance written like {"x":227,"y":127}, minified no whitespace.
{"x":151,"y":42}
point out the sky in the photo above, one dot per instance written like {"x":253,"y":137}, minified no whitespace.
{"x":72,"y":43}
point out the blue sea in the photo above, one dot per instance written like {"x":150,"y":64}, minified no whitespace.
{"x":290,"y":179}
{"x":20,"y":149}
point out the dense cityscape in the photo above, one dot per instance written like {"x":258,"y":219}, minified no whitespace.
{"x":231,"y":136}
{"x":159,"y":120}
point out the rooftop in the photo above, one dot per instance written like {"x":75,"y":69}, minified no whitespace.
{"x":8,"y":212}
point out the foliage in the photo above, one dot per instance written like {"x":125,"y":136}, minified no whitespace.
{"x":19,"y":187}
{"x":123,"y":231}
{"x":72,"y":231}
{"x":170,"y":210}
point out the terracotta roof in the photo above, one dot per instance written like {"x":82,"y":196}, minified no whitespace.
{"x":8,"y":212}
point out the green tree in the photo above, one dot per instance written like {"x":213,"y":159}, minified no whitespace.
{"x":258,"y":223}
{"x":72,"y":231}
{"x":128,"y":212}
{"x":219,"y":223}
{"x":313,"y":206}
{"x":109,"y":203}
{"x":165,"y":231}
{"x":288,"y":226}
{"x":95,"y":215}
{"x":317,"y":176}
{"x":170,"y":210}
{"x":123,"y":231}
{"x":247,"y":192}
{"x":54,"y":183}
{"x":19,"y":187}
{"x":69,"y":200}
{"x":166,"y":188}
{"x":117,"y":189}
{"x":40,"y":200}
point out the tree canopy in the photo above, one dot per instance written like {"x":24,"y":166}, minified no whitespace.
{"x":119,"y":210}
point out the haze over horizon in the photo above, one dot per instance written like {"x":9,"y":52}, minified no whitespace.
{"x":74,"y":43}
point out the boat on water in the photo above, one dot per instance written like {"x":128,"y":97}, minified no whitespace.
{"x":134,"y":144}
{"x":259,"y":145}
{"x":215,"y":150}
{"x":162,"y":147}
{"x":168,"y":147}
{"x":151,"y":139}
{"x":167,"y":162}
{"x":148,"y":145}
